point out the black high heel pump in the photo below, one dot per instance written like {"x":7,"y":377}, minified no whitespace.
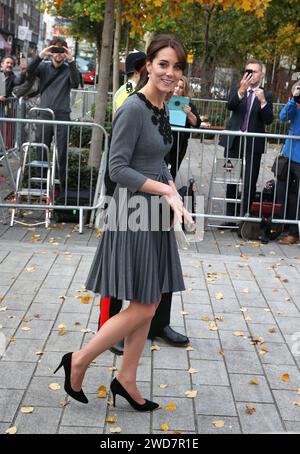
{"x":117,"y":388}
{"x":77,"y":395}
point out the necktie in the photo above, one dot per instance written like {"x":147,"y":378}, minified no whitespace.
{"x":247,"y":113}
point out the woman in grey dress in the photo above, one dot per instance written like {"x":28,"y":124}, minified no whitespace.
{"x":137,"y":258}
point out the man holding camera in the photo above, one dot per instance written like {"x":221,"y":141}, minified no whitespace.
{"x":252,"y":110}
{"x":57,"y":76}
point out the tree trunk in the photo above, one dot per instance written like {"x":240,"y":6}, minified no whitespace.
{"x":206,"y":76}
{"x":116,"y":62}
{"x":104,"y":74}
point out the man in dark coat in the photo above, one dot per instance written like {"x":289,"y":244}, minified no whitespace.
{"x":252,"y":110}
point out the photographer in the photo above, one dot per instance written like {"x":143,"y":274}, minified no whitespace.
{"x":57,"y":76}
{"x":252,"y":110}
{"x":290,"y":190}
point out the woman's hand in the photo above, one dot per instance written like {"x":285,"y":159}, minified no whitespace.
{"x":191,"y":117}
{"x":180,"y":212}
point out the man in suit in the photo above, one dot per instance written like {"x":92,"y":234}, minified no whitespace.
{"x":252,"y":110}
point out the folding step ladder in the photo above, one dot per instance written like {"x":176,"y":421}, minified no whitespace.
{"x":225,"y":171}
{"x":39,"y":187}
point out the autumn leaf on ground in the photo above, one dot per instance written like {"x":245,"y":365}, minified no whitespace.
{"x":238,"y":333}
{"x":27,"y":410}
{"x":206,"y":318}
{"x":250,"y":410}
{"x":25,"y":328}
{"x":192,"y":370}
{"x":219,"y":318}
{"x":245,"y":290}
{"x":184,"y":313}
{"x":298,"y":391}
{"x":163,"y":386}
{"x":258,"y":341}
{"x":171,"y":407}
{"x":102,"y":392}
{"x":155,"y":348}
{"x":263,"y":351}
{"x":191,"y":394}
{"x":85,"y":299}
{"x":64,"y":403}
{"x":11,"y":431}
{"x":254,"y":381}
{"x":30,"y":269}
{"x":115,"y":430}
{"x":85,"y":330}
{"x":111,"y":420}
{"x":285,"y":378}
{"x":3,"y":309}
{"x":243,"y":309}
{"x":54,"y":386}
{"x":272,"y":330}
{"x":164,"y":427}
{"x":248,"y":319}
{"x":62,"y":330}
{"x":297,"y":403}
{"x":219,"y":296}
{"x":212,"y":326}
{"x":219,"y":424}
{"x":189,"y":348}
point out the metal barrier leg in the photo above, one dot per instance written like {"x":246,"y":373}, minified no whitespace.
{"x":80,"y":220}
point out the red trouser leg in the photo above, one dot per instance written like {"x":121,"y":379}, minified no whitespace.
{"x":108,"y":308}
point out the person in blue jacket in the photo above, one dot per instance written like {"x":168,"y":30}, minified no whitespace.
{"x":291,"y":112}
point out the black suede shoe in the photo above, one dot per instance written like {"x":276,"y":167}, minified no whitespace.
{"x":171,"y":337}
{"x":118,"y":348}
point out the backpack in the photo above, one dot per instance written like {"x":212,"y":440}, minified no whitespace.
{"x":28,"y":89}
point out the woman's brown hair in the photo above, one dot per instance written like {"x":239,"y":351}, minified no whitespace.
{"x":158,"y":43}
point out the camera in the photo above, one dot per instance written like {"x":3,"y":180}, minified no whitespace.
{"x":249,"y":72}
{"x":57,"y":50}
{"x":177,"y":103}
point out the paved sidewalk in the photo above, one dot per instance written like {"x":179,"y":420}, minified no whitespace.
{"x":241,"y":310}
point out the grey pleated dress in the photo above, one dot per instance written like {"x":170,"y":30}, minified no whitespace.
{"x":136,"y":263}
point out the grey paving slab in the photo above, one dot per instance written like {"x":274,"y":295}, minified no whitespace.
{"x":167,"y":358}
{"x":274,"y":374}
{"x":215,"y":401}
{"x":15,"y":375}
{"x":24,"y":350}
{"x":263,"y":330}
{"x":277,"y":354}
{"x":177,"y":383}
{"x":196,"y":297}
{"x":265,"y":419}
{"x":286,"y":401}
{"x":43,"y":311}
{"x":236,"y":343}
{"x":209,"y":373}
{"x":9,"y":403}
{"x":40,"y":421}
{"x":242,"y":362}
{"x":200,"y":330}
{"x":74,"y":430}
{"x":91,"y":415}
{"x":245,"y":391}
{"x":36,"y":329}
{"x":130,"y":422}
{"x":292,"y":427}
{"x":70,"y":341}
{"x":206,"y":425}
{"x":205,"y":349}
{"x":174,"y":419}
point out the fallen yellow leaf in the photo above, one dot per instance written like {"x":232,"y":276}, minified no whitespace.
{"x":3,"y":309}
{"x":191,"y":394}
{"x":62,"y":330}
{"x":171,"y":407}
{"x":248,"y":319}
{"x":184,"y":313}
{"x":263,"y":351}
{"x":243,"y":309}
{"x":245,"y":290}
{"x":250,"y":410}
{"x":102,"y":392}
{"x":54,"y":386}
{"x":30,"y":269}
{"x":111,"y":420}
{"x":192,"y":370}
{"x":164,"y":427}
{"x":254,"y":381}
{"x":85,"y":299}
{"x":189,"y":348}
{"x":285,"y":378}
{"x":297,"y":403}
{"x":219,"y":318}
{"x":25,"y":328}
{"x":155,"y":348}
{"x":115,"y":430}
{"x":11,"y":431}
{"x":219,"y":296}
{"x":163,"y":386}
{"x":272,"y":330}
{"x":212,"y":326}
{"x":206,"y":318}
{"x":27,"y":410}
{"x":238,"y":333}
{"x":219,"y":424}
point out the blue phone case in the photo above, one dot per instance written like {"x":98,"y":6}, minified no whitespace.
{"x":177,"y":114}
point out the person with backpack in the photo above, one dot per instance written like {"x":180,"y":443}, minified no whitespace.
{"x":57,"y":72}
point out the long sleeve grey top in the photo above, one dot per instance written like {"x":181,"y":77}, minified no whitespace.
{"x":57,"y":95}
{"x":137,"y":148}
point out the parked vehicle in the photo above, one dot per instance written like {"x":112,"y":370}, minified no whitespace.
{"x":87,"y":69}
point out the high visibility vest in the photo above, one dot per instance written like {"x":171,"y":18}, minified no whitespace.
{"x":121,"y":94}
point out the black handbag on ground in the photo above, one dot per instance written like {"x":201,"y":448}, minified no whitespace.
{"x":280,"y":167}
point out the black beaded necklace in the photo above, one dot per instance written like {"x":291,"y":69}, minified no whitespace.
{"x":159,"y":118}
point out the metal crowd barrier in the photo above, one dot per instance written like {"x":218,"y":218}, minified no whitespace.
{"x":45,"y":191}
{"x":10,"y":108}
{"x":83,"y":102}
{"x":212,"y":168}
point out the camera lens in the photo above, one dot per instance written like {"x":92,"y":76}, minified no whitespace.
{"x":177,"y":103}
